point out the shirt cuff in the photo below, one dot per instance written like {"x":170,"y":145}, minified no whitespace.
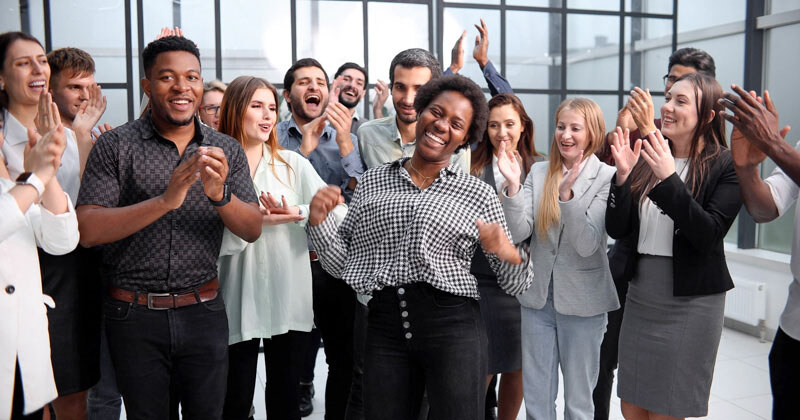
{"x":322,"y":234}
{"x":352,"y":164}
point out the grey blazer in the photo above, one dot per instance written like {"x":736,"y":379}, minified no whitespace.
{"x":574,"y":252}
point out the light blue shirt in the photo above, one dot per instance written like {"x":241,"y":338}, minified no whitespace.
{"x":326,"y":160}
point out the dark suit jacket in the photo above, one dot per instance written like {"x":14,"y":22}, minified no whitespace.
{"x":698,"y":255}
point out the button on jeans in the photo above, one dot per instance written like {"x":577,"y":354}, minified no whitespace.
{"x":420,"y":338}
{"x":152,"y":348}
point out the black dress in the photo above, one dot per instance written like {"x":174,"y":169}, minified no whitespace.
{"x":73,"y":281}
{"x":500,"y":311}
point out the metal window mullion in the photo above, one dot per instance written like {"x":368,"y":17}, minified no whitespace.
{"x":48,"y":38}
{"x":128,"y":60}
{"x":218,"y":39}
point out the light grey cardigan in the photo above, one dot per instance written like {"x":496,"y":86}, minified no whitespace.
{"x":574,"y":252}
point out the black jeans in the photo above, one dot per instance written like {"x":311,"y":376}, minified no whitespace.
{"x":152,"y":349}
{"x":283,"y":358}
{"x":784,"y":376}
{"x":334,"y":311}
{"x":422,"y":339}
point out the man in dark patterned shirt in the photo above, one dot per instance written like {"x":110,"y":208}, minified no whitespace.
{"x":158,"y":192}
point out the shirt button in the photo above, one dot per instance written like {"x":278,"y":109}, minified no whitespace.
{"x":406,"y":325}
{"x":403,"y":304}
{"x":408,"y":335}
{"x":404,"y":314}
{"x":10,"y":290}
{"x":401,"y":291}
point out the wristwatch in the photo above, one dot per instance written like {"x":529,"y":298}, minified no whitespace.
{"x":30,"y":178}
{"x":226,"y":197}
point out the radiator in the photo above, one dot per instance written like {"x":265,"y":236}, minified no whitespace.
{"x":747,"y":303}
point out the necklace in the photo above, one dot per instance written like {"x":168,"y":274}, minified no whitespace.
{"x":425,"y":179}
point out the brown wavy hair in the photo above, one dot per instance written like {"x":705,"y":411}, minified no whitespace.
{"x":482,"y":154}
{"x":232,"y":110}
{"x":708,"y":139}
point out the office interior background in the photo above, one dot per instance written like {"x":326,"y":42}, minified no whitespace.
{"x":548,"y":50}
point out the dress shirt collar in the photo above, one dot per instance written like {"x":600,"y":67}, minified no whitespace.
{"x":294,"y":129}
{"x":149,"y":130}
{"x":450,"y":169}
{"x":13,"y":130}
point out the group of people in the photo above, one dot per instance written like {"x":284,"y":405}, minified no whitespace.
{"x":431,"y":250}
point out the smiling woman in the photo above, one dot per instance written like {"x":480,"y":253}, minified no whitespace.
{"x":407,"y":240}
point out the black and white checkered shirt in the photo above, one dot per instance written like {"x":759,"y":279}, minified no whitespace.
{"x":396,"y":233}
{"x":133,"y":163}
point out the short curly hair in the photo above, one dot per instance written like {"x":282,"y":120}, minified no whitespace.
{"x":166,"y":44}
{"x":457,"y":83}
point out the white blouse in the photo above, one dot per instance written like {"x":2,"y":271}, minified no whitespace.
{"x":23,"y":317}
{"x":656,"y":228}
{"x":267,"y":284}
{"x":16,"y":135}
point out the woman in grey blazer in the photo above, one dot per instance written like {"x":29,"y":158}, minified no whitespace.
{"x":562,"y":209}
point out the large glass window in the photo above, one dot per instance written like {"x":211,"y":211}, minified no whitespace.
{"x":533,"y":49}
{"x":388,"y":34}
{"x":256,"y":39}
{"x":592,"y":52}
{"x":456,"y":21}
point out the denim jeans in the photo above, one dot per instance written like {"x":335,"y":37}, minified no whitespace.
{"x":104,"y":401}
{"x":420,"y":338}
{"x":334,"y":312}
{"x":152,"y":349}
{"x":550,"y":339}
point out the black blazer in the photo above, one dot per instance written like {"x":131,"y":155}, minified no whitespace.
{"x":698,"y":255}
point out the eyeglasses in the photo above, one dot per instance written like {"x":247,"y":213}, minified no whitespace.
{"x":668,"y":78}
{"x":210,"y":109}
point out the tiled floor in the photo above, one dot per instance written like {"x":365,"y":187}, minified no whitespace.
{"x":740,"y":390}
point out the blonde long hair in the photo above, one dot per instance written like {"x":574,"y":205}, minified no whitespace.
{"x":232,"y":110}
{"x":549,"y":213}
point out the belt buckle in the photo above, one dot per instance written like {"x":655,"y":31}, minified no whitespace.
{"x":150,"y":297}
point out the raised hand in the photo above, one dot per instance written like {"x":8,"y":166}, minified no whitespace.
{"x":182,"y":179}
{"x":640,"y":105}
{"x":381,"y":95}
{"x":97,"y":132}
{"x":90,"y":111}
{"x":565,"y":188}
{"x":457,"y":54}
{"x":323,"y":202}
{"x":340,"y":118}
{"x":508,"y":164}
{"x":42,"y":154}
{"x":311,"y":132}
{"x":624,"y":119}
{"x":481,"y":51}
{"x":753,"y":122}
{"x":274,"y":212}
{"x":495,"y":241}
{"x":625,"y":157}
{"x":47,"y":115}
{"x":658,"y":155}
{"x":213,"y":168}
{"x":336,"y":89}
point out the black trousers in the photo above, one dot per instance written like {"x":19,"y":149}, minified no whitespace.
{"x":784,"y":376}
{"x":334,"y":312}
{"x":283,"y":358}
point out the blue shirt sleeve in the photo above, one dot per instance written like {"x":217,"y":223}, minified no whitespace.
{"x":497,"y":83}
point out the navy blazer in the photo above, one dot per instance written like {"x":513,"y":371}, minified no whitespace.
{"x":698,"y":254}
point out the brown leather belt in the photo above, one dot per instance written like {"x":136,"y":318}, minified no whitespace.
{"x":162,"y":301}
{"x":312,"y":255}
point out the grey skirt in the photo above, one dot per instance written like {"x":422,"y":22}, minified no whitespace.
{"x":667,"y":345}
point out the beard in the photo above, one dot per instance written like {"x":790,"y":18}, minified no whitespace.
{"x":297,"y":108}
{"x":180,"y":123}
{"x":346,"y":102}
